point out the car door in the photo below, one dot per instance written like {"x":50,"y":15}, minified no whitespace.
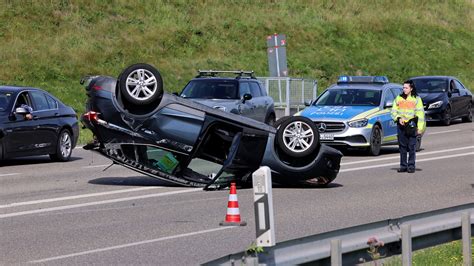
{"x":246,"y":108}
{"x":455,"y":99}
{"x":389,"y":127}
{"x":20,"y":133}
{"x":465,"y":98}
{"x":48,"y":126}
{"x":259,"y":101}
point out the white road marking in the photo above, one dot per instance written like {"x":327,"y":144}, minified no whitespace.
{"x":397,"y":163}
{"x":66,"y":207}
{"x":132,"y":244}
{"x":417,"y":154}
{"x":76,"y":197}
{"x":95,"y":166}
{"x":441,"y":132}
{"x":9,"y":174}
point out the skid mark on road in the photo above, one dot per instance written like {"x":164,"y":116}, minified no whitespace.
{"x":16,"y":204}
{"x":1,"y":175}
{"x":397,"y":163}
{"x":66,"y":207}
{"x":132,"y":244}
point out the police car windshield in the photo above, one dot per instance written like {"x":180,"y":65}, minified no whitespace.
{"x":349,"y":97}
{"x":211,"y":89}
{"x":4,"y":101}
{"x":430,"y":85}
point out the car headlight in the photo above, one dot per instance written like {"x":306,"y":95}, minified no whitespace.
{"x":358,"y":123}
{"x":435,"y":105}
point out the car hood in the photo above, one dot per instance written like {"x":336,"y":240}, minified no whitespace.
{"x":428,"y":98}
{"x":338,"y":112}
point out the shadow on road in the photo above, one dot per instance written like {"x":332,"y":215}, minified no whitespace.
{"x":31,"y":160}
{"x":131,"y":181}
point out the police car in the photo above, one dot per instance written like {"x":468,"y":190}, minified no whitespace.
{"x":355,"y":112}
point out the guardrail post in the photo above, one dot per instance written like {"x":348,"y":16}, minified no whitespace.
{"x":466,"y":239}
{"x":336,"y":252}
{"x":406,"y":245}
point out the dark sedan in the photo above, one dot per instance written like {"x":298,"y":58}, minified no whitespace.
{"x":445,"y":98}
{"x":33,"y":122}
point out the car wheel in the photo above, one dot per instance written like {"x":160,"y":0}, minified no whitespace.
{"x":63,"y":147}
{"x":375,"y":141}
{"x":447,"y":116}
{"x":270,"y":120}
{"x":280,"y":121}
{"x":468,"y":117}
{"x":141,"y":84}
{"x":418,"y":143}
{"x":297,"y":136}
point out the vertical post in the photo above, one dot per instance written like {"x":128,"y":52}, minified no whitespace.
{"x":287,"y":109}
{"x":406,"y":245}
{"x":466,"y":239}
{"x":279,"y":91}
{"x":267,"y":83}
{"x":315,"y":89}
{"x":336,"y":252}
{"x":302,"y":94}
{"x":263,"y":204}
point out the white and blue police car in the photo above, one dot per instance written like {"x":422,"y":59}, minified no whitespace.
{"x":355,"y":113}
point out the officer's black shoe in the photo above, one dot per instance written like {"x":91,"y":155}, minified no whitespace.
{"x":401,"y":170}
{"x":411,"y":170}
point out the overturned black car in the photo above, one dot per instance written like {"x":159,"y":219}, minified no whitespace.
{"x":138,"y":126}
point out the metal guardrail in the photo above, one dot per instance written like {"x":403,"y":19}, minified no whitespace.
{"x":349,"y":246}
{"x":290,"y":93}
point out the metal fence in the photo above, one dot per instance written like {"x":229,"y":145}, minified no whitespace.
{"x":290,"y":94}
{"x":350,"y":246}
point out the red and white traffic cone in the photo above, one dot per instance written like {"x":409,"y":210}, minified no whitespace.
{"x":233,"y":214}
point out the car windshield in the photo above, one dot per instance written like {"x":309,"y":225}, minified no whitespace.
{"x":349,"y":97}
{"x":5,"y":98}
{"x":211,"y":89}
{"x":430,"y":85}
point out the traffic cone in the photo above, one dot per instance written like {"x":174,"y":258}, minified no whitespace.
{"x":233,"y":214}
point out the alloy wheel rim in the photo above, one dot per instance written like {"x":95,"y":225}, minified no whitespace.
{"x":65,"y":143}
{"x":141,"y":84}
{"x":298,"y":136}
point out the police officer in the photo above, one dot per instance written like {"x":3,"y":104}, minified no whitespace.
{"x":408,"y":113}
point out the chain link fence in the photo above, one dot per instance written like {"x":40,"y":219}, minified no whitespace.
{"x":290,"y":94}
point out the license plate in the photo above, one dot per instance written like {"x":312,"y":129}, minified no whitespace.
{"x":325,"y":136}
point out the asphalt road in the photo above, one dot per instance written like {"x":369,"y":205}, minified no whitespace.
{"x":76,"y":213}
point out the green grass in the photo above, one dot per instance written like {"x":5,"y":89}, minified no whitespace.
{"x":52,"y":44}
{"x":442,"y":255}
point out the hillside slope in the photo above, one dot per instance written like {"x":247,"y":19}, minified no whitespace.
{"x":52,"y":44}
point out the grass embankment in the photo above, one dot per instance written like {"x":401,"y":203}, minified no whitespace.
{"x":52,"y":44}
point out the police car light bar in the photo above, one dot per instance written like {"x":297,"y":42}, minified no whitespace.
{"x":362,"y":79}
{"x":213,"y":73}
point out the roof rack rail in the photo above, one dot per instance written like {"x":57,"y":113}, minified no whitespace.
{"x":213,"y":73}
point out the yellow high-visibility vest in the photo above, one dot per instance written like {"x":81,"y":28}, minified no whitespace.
{"x":408,"y":108}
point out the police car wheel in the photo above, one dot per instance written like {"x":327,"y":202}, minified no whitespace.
{"x":297,"y":136}
{"x":141,"y":84}
{"x":375,"y":141}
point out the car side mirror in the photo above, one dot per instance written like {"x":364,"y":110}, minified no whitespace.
{"x":246,"y":97}
{"x":388,"y":104}
{"x":21,"y":111}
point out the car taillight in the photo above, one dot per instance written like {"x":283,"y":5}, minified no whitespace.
{"x":96,"y":87}
{"x":91,"y":116}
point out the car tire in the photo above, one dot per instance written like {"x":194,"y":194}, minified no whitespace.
{"x":468,"y":117}
{"x":141,"y":84}
{"x":418,"y":143}
{"x":447,"y":116}
{"x":63,"y":147}
{"x":297,"y":136}
{"x":270,"y":120}
{"x":375,"y":141}
{"x":280,"y":121}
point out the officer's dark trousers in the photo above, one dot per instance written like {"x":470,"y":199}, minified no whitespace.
{"x":407,"y":144}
